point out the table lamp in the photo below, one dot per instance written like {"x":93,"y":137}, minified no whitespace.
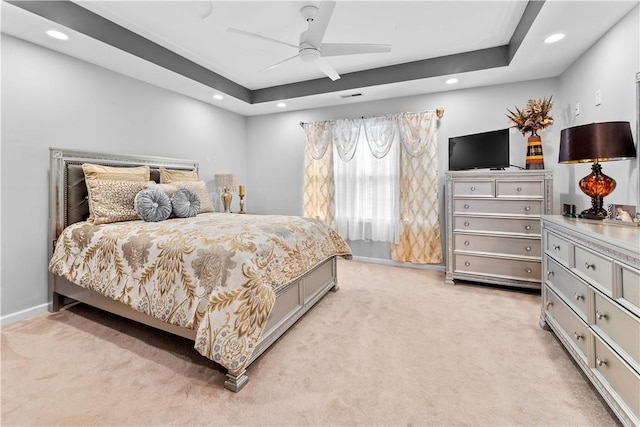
{"x":597,"y":143}
{"x":226,"y":183}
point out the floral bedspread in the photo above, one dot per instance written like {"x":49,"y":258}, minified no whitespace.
{"x":216,"y":273}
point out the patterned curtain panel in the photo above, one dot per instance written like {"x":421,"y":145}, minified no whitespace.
{"x":420,"y":241}
{"x":318,"y":172}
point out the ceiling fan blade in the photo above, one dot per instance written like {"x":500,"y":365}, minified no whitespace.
{"x":336,"y":49}
{"x":328,"y":69}
{"x":279,"y":63}
{"x":258,"y":36}
{"x":319,"y":25}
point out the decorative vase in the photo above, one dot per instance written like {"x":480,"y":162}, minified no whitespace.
{"x":535,"y":159}
{"x":226,"y":201}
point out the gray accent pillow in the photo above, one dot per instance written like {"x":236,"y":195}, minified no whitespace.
{"x":152,"y":205}
{"x":185,"y":203}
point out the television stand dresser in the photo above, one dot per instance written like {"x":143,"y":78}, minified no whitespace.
{"x":591,"y":300}
{"x":493,"y":226}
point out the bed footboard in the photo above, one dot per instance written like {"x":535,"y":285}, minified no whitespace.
{"x":292,"y":302}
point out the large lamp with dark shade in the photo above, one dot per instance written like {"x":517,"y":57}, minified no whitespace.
{"x":596,"y":142}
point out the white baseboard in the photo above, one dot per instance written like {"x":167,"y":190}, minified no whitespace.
{"x":435,"y":267}
{"x":23,"y":314}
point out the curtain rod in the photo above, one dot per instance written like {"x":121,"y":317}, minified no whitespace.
{"x":439,"y":113}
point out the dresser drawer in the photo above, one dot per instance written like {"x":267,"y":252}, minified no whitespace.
{"x":620,"y":326}
{"x":518,"y":246}
{"x":630,"y":288}
{"x":574,"y":329}
{"x":598,"y":269}
{"x":497,"y":267}
{"x":520,"y":189}
{"x":499,"y":225}
{"x":497,"y":207}
{"x":558,"y":248}
{"x":474,"y":188}
{"x":573,"y":290}
{"x":625,"y":382}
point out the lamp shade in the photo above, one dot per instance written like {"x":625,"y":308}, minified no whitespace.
{"x":225,"y":181}
{"x":596,"y":142}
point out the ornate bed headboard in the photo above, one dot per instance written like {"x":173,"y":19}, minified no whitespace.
{"x":68,"y":202}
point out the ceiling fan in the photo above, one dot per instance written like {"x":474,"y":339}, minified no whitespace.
{"x":311,"y":49}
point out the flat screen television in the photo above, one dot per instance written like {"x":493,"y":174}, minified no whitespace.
{"x":479,"y":150}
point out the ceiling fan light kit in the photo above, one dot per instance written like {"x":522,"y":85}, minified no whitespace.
{"x":311,"y":49}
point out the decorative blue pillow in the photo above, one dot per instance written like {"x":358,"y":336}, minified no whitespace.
{"x":152,"y":205}
{"x":185,"y":203}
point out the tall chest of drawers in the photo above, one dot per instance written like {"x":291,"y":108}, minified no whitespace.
{"x":493,"y":226}
{"x":591,"y":300}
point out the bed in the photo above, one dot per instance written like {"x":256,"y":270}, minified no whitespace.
{"x":231,"y":283}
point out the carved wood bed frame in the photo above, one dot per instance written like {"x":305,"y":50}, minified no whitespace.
{"x":68,"y":204}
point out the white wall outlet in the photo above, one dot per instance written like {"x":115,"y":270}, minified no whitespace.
{"x":598,"y":97}
{"x":577,"y":109}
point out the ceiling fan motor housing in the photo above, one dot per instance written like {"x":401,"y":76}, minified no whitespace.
{"x":309,"y":54}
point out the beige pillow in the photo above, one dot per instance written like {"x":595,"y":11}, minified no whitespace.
{"x":113,"y":201}
{"x":137,"y":173}
{"x":173,"y":175}
{"x":167,"y":189}
{"x":200,"y":188}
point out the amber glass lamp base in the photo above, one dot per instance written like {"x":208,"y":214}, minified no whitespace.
{"x":597,"y":186}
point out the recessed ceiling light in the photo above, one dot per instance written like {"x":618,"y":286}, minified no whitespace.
{"x":218,"y":96}
{"x":554,"y":38}
{"x":57,"y":35}
{"x":451,"y":81}
{"x":281,"y":105}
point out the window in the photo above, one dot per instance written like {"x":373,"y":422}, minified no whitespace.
{"x":367,"y":194}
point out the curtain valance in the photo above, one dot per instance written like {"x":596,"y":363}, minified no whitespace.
{"x":415,"y":132}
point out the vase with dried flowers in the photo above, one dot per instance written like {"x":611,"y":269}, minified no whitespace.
{"x":534,"y":117}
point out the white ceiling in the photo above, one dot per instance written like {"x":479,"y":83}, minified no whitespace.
{"x":418,"y":30}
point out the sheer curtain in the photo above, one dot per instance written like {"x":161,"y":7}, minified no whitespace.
{"x":366,"y":182}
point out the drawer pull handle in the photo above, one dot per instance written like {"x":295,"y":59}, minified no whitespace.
{"x":577,"y":296}
{"x":527,"y":208}
{"x":466,"y":206}
{"x":519,"y":189}
{"x":467,"y":263}
{"x":589,"y":266}
{"x":577,"y":336}
{"x":466,"y":223}
{"x":600,"y":362}
{"x":528,"y":248}
{"x":527,"y":227}
{"x":466,"y":243}
{"x":528,"y":270}
{"x":550,"y":273}
{"x":556,"y":247}
{"x":601,"y":316}
{"x":549,"y":304}
{"x":473,"y":188}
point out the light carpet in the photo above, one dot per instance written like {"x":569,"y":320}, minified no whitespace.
{"x":393,"y":346}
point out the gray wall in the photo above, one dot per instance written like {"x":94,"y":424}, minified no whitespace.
{"x":52,"y":100}
{"x":276,"y":142}
{"x":609,"y":66}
